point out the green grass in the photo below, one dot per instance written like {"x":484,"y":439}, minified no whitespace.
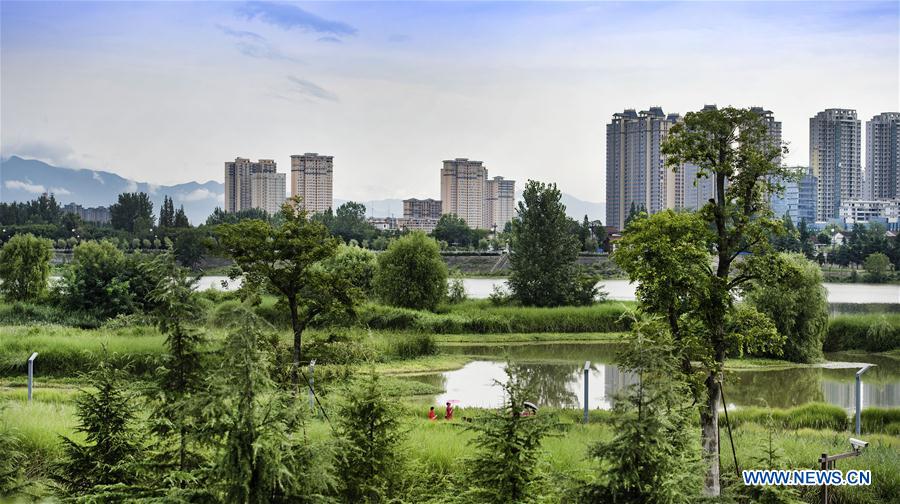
{"x":885,"y":420}
{"x":807,"y":416}
{"x":800,"y":449}
{"x":525,"y":338}
{"x":481,"y":317}
{"x":871,"y":332}
{"x":66,"y":351}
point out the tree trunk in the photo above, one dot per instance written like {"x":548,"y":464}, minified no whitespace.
{"x":709,"y":435}
{"x":298,"y":333}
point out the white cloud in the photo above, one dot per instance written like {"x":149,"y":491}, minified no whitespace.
{"x":96,"y":176}
{"x":152,"y":188}
{"x":131,"y":187}
{"x":60,"y":191}
{"x":197,"y":195}
{"x":26,"y":186}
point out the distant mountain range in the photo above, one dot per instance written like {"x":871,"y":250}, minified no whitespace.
{"x":25,"y":179}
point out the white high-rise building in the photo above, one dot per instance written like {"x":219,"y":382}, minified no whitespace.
{"x":312,"y":180}
{"x":238,"y":181}
{"x":463,"y":190}
{"x":834,"y":145}
{"x":499,"y":202}
{"x":267,"y":191}
{"x":883,"y":156}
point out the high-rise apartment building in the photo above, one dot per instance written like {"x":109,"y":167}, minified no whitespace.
{"x":238,"y":182}
{"x":636,"y":173}
{"x":499,"y":202}
{"x":773,"y":126}
{"x":312,"y":179}
{"x":463,"y":190}
{"x":883,"y":156}
{"x":421,"y":209}
{"x":267,"y":191}
{"x":834,"y":145}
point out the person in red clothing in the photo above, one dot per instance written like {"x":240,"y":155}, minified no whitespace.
{"x":431,"y":414}
{"x":449,"y":414}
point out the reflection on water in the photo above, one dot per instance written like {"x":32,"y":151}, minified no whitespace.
{"x":554,"y":374}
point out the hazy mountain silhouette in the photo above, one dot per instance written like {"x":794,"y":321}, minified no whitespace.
{"x":25,"y":179}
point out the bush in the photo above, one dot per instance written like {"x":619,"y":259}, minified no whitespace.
{"x":25,"y":267}
{"x":808,"y":416}
{"x":797,"y":304}
{"x":886,"y":420}
{"x":415,"y":345}
{"x":873,"y":333}
{"x":481,"y":317}
{"x":411,"y":273}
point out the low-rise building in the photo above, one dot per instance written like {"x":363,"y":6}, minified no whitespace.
{"x":99,"y":215}
{"x":886,"y":212}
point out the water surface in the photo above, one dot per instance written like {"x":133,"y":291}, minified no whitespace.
{"x":555,"y":372}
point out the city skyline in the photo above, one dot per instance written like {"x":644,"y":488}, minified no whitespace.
{"x":156,"y":91}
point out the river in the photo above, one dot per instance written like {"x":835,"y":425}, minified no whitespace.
{"x":623,"y":290}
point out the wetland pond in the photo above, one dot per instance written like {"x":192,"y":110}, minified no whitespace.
{"x":555,"y":372}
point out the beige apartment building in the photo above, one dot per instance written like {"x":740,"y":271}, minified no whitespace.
{"x":239,"y":181}
{"x":499,"y":203}
{"x":422,"y":208}
{"x":312,"y":180}
{"x":462,"y":190}
{"x":267,"y":191}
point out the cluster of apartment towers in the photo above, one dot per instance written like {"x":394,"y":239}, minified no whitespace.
{"x":834,"y":187}
{"x":466,"y":191}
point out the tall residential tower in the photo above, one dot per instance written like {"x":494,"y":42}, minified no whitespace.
{"x":238,"y":182}
{"x":883,"y":156}
{"x":499,"y":202}
{"x":834,"y":141}
{"x":462,"y":190}
{"x":636,"y":174}
{"x":312,"y":179}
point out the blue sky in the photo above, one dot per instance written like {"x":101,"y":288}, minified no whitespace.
{"x":167,"y":91}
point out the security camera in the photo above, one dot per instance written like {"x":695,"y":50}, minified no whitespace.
{"x":858,"y":444}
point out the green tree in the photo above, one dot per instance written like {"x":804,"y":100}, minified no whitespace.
{"x":369,"y":457}
{"x":734,"y":149}
{"x":133,"y":212}
{"x":181,"y":220}
{"x":287,"y":258}
{"x":355,"y":264}
{"x":95,"y":280}
{"x":112,"y":445}
{"x":25,"y":267}
{"x":453,"y":229}
{"x":634,"y":211}
{"x":181,"y":373}
{"x":544,"y":253}
{"x":411,"y":273}
{"x":649,"y":460}
{"x":350,"y":223}
{"x":505,"y":465}
{"x":256,"y":433}
{"x":167,"y":213}
{"x":220,"y":216}
{"x":190,"y":247}
{"x":796,"y":301}
{"x":877,"y":266}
